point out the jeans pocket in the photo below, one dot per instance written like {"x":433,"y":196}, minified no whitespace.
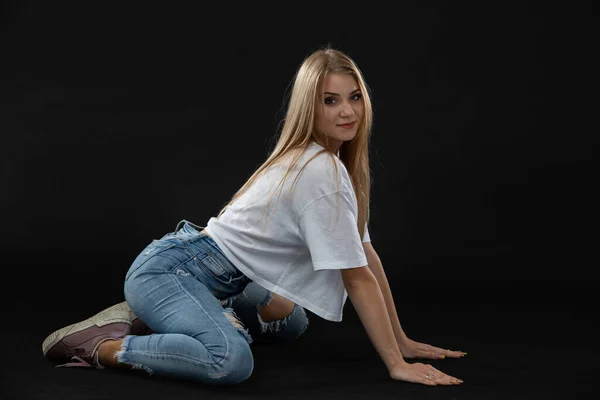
{"x":154,"y":248}
{"x":212,"y":266}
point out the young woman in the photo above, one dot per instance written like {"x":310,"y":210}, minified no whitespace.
{"x":261,"y":261}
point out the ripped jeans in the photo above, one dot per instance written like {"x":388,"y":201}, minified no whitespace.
{"x":186,"y":291}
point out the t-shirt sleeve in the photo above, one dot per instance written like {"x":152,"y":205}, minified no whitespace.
{"x":366,"y":236}
{"x":329,"y":230}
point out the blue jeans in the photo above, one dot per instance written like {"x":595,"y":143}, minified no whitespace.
{"x":185,"y":289}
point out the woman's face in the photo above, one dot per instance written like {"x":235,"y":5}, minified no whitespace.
{"x":341,"y":111}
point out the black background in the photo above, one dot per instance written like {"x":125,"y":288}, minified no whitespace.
{"x":118,"y":120}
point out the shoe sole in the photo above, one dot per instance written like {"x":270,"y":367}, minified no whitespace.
{"x":117,"y":313}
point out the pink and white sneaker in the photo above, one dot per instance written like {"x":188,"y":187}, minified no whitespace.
{"x":79,"y":342}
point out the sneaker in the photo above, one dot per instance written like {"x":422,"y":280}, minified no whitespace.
{"x":138,"y":327}
{"x":79,"y":342}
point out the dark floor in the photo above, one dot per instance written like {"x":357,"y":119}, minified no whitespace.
{"x":520,"y":345}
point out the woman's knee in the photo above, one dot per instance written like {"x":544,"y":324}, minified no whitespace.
{"x":238,"y":367}
{"x":234,"y":367}
{"x":298,"y":321}
{"x":268,"y":316}
{"x":276,"y":309}
{"x":285,"y":329}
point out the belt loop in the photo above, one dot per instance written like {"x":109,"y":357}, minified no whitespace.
{"x":197,"y":227}
{"x":183,"y":221}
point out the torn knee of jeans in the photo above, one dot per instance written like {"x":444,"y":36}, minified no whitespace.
{"x":267,"y":299}
{"x":232,"y":317}
{"x":228,"y":302}
{"x":275,"y":326}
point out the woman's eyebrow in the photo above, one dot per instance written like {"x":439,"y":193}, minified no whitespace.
{"x":337,"y":94}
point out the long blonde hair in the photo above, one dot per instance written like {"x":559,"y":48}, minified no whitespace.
{"x":299,"y":128}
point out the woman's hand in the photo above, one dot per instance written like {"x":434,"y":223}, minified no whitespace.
{"x":411,"y":349}
{"x":422,"y":373}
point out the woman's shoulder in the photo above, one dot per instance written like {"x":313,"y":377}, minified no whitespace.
{"x":314,"y":166}
{"x":320,"y":169}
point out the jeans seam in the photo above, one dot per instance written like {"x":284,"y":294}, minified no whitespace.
{"x":122,"y":356}
{"x":209,"y":317}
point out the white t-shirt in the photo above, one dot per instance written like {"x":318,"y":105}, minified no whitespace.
{"x":298,"y":248}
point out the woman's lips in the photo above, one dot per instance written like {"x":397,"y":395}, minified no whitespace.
{"x":347,"y":126}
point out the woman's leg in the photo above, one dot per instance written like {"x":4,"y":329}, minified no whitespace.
{"x":194,"y":339}
{"x":172,"y":286}
{"x":269,"y":317}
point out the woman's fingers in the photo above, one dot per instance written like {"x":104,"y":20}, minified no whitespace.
{"x":443,"y":379}
{"x":424,"y":375}
{"x":427,"y":381}
{"x":431,"y":354}
{"x":453,"y":353}
{"x":439,"y":353}
{"x":427,"y":351}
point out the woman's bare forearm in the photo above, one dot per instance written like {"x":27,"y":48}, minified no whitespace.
{"x":367,"y":299}
{"x":377,"y":268}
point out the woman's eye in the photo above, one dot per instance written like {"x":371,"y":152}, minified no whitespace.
{"x":332,"y":100}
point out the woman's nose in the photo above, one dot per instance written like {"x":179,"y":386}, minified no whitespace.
{"x":346,"y":110}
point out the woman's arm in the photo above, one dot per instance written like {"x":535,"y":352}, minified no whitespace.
{"x":376,"y":267}
{"x":366,"y":296}
{"x":367,"y":300}
{"x":408,"y":347}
